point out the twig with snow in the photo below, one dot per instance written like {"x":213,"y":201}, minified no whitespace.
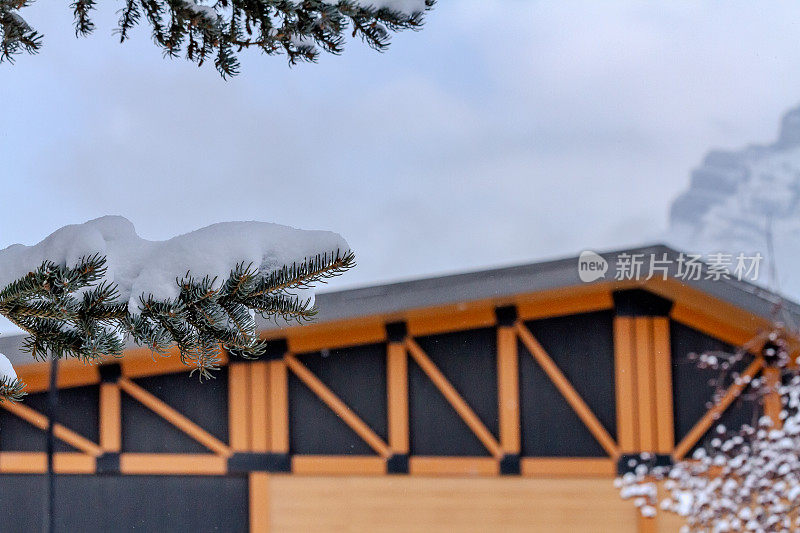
{"x":86,"y":289}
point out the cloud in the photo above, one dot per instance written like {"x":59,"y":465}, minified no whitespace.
{"x":505,"y":131}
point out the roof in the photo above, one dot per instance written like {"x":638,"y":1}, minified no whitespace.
{"x":495,"y":284}
{"x":505,"y":282}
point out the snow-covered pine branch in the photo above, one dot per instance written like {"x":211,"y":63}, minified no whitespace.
{"x":86,"y":288}
{"x":220,"y":29}
{"x":10,"y":387}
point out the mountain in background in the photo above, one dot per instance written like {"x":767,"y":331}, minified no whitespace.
{"x":735,"y":196}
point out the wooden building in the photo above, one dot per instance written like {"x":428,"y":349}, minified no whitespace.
{"x":499,"y":400}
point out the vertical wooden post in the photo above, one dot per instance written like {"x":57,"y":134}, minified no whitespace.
{"x":645,"y":383}
{"x":110,"y":418}
{"x":397,"y":396}
{"x":259,"y":405}
{"x":239,"y":406}
{"x":508,"y":390}
{"x":259,"y":502}
{"x":643,"y":371}
{"x":625,"y":383}
{"x":772,"y":399}
{"x":278,"y":413}
{"x":662,"y":360}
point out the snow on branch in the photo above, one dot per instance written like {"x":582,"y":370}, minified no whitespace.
{"x":10,"y":387}
{"x":219,"y":30}
{"x":86,"y":288}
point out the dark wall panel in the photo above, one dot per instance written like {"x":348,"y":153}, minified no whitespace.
{"x":78,"y":410}
{"x":550,"y":428}
{"x":583,"y":348}
{"x":693,"y":388}
{"x":435,"y":428}
{"x":316,"y":430}
{"x":127,"y":503}
{"x":204,"y":403}
{"x":468,"y":359}
{"x":143,"y":431}
{"x":357,"y":375}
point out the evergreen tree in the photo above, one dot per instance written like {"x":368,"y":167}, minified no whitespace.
{"x":220,"y":29}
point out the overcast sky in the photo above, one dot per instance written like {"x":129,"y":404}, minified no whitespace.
{"x":504,"y":132}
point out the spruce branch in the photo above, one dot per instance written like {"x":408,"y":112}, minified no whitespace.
{"x":16,"y":35}
{"x":83,"y":23}
{"x":302,"y":275}
{"x":221,"y":29}
{"x":72,"y":311}
{"x":11,"y":390}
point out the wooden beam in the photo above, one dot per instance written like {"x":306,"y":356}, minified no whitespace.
{"x":567,"y":390}
{"x":259,"y":502}
{"x":772,"y":399}
{"x":662,"y":360}
{"x":645,"y":383}
{"x":142,"y":362}
{"x":71,"y":373}
{"x":625,"y":384}
{"x":138,"y":365}
{"x":453,"y":466}
{"x":568,"y":467}
{"x":452,"y":318}
{"x":453,"y":398}
{"x":23,"y":462}
{"x":175,"y":418}
{"x":709,"y":314}
{"x":110,"y":418}
{"x":567,"y":302}
{"x":130,"y":463}
{"x":397,"y":396}
{"x":278,"y":415}
{"x":259,"y":406}
{"x":335,"y":335}
{"x":715,"y":322}
{"x":337,"y":406}
{"x":173,"y":464}
{"x":322,"y":465}
{"x":137,"y":362}
{"x":35,"y":418}
{"x":239,"y":406}
{"x":712,"y":415}
{"x":508,"y":390}
{"x":36,"y":463}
